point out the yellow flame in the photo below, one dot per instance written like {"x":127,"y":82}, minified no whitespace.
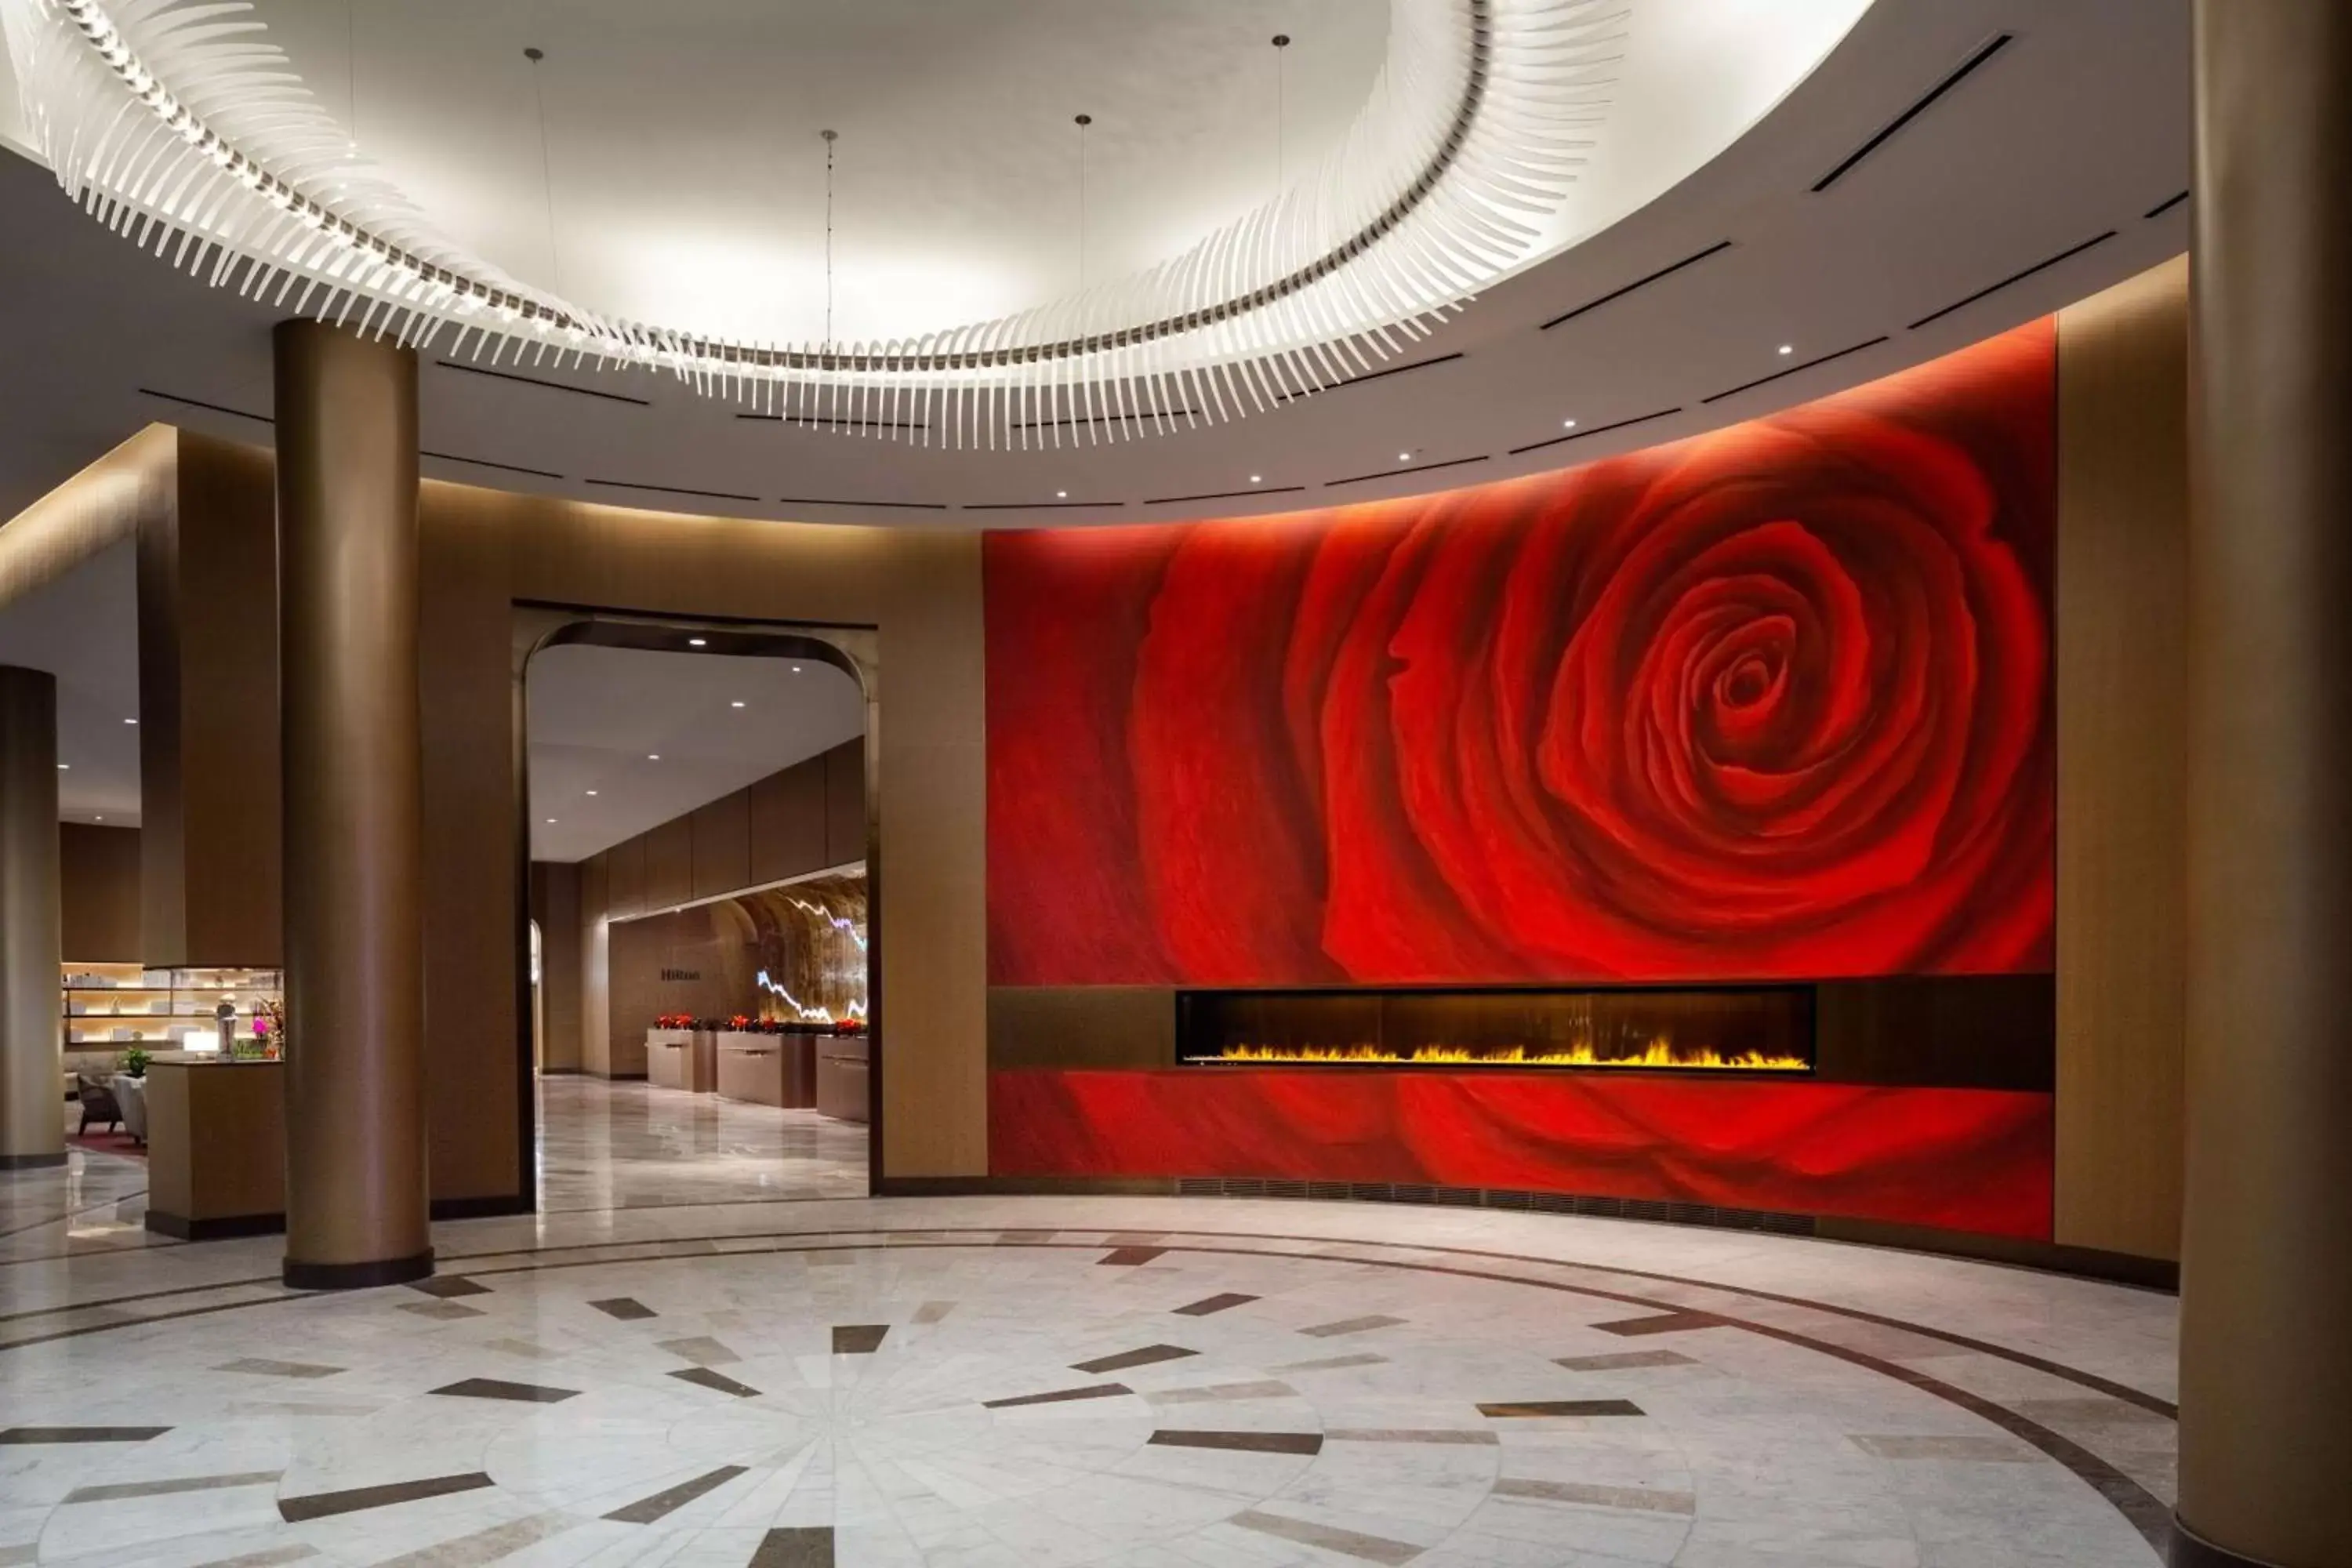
{"x":1659,"y":1052}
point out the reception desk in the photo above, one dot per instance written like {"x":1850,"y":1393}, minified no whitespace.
{"x":768,"y":1069}
{"x":215,"y":1147}
{"x":841,"y":1077}
{"x":681,"y":1059}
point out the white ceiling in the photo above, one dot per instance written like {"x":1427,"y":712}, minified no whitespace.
{"x":2077,"y":128}
{"x":599,"y":717}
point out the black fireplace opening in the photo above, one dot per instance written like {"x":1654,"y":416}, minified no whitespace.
{"x":1712,"y":1029}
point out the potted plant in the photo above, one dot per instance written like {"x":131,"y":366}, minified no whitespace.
{"x":134,"y":1062}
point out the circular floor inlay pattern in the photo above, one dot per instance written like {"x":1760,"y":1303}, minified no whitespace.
{"x":1082,"y":1398}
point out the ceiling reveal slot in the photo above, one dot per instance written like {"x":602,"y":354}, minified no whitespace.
{"x":894,"y":505}
{"x":209,"y":408}
{"x":2166,"y":205}
{"x":550,"y":385}
{"x":1392,"y":473}
{"x":667,"y":490}
{"x":1391,"y":370}
{"x":486,"y":463}
{"x":1718,"y":248}
{"x":1227,"y":495}
{"x":1036,"y":505}
{"x":2072,"y":250}
{"x":1596,"y":430}
{"x":1793,"y":370}
{"x":1984,"y":52}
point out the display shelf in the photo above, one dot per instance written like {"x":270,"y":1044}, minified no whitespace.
{"x":148,"y":1004}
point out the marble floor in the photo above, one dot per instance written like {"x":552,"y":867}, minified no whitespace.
{"x":686,"y":1377}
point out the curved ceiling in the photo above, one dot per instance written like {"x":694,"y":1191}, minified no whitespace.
{"x":2038,"y":176}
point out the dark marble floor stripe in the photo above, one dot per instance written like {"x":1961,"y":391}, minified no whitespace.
{"x":858,"y":1339}
{"x":626,"y":1308}
{"x":325,"y":1505}
{"x":498,"y":1388}
{"x":1352,"y":1326}
{"x":1537,"y":1407}
{"x":1221,"y":1303}
{"x":21,"y":1436}
{"x":1623,"y":1361}
{"x":1243,"y":1442}
{"x":644,"y":1511}
{"x":1330,"y":1538}
{"x":447,"y":1285}
{"x":802,"y":1548}
{"x":441,"y":1308}
{"x":1092,"y":1390}
{"x":260,"y":1367}
{"x":1128,"y":1257}
{"x":177,"y":1484}
{"x":1150,"y":1356}
{"x":1662,"y":1323}
{"x":717,"y":1382}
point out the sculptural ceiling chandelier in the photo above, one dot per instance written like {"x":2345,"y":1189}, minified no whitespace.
{"x":181,"y":125}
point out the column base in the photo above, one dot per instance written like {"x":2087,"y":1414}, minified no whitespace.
{"x":31,"y":1162}
{"x":299,"y":1276}
{"x":2190,"y":1550}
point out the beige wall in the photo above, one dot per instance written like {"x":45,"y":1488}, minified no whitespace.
{"x":2123,"y":577}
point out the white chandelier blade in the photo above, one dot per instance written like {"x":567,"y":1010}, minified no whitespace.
{"x":180,"y":125}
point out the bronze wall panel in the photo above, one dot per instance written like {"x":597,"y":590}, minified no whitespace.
{"x":669,"y":863}
{"x":626,"y":869}
{"x":788,"y":823}
{"x":844,"y":803}
{"x":723,"y":845}
{"x":2121,"y":673}
{"x":1081,"y":1026}
{"x":97,"y":893}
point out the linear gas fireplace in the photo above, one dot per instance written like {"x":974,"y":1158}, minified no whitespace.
{"x":1759,"y":1029}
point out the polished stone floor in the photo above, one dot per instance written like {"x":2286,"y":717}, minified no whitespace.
{"x":1155,"y":1382}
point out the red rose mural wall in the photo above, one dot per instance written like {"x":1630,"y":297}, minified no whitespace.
{"x":1773,"y":704}
{"x":1770,"y":704}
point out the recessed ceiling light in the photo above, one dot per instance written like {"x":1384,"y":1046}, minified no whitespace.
{"x":592,"y":791}
{"x":1788,"y":348}
{"x":1061,"y":495}
{"x":65,"y":767}
{"x":697,"y":642}
{"x":734,"y":705}
{"x":551,"y":822}
{"x":1404,"y":457}
{"x":653,"y":756}
{"x":1567,"y":424}
{"x":130,"y":720}
{"x":796,"y":669}
{"x":1256,"y":479}
{"x":97,"y":819}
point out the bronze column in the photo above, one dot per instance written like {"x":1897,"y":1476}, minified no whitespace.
{"x":356,"y":1193}
{"x":32,"y":1093}
{"x":2266,"y":1305}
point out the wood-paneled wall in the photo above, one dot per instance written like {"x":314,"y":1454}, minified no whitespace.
{"x":556,"y":905}
{"x":97,"y":893}
{"x":803,"y":818}
{"x":2122,"y":578}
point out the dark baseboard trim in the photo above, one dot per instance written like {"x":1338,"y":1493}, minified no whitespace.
{"x":614,"y":1077}
{"x":2048,"y":1257}
{"x":358,"y":1276}
{"x":565,"y":1072}
{"x":482,"y":1208}
{"x":2190,"y":1550}
{"x":2042,"y":1257}
{"x":32,"y":1162}
{"x":219,"y":1229}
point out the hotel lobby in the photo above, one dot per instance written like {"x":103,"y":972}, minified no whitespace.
{"x":1174,"y":783}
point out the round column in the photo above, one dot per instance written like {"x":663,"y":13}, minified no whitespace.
{"x":2266,"y":1305}
{"x":356,"y":1191}
{"x":32,"y":1093}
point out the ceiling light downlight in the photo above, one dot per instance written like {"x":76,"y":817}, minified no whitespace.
{"x":194,"y":136}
